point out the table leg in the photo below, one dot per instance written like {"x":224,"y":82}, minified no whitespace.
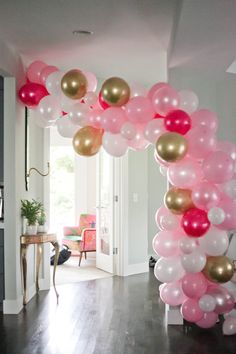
{"x":24,"y":271}
{"x":39,"y":257}
{"x":57,"y":250}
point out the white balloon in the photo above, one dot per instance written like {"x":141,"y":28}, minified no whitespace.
{"x":188,"y":101}
{"x":229,"y":326}
{"x":216,"y":216}
{"x":53,"y":82}
{"x":78,"y":114}
{"x":231,"y":313}
{"x":42,"y":123}
{"x":128,"y":130}
{"x":215,"y":242}
{"x":49,"y":108}
{"x":230,"y":188}
{"x":114,"y":144}
{"x":137,"y":90}
{"x":193,"y":262}
{"x":153,"y":130}
{"x":188,"y":245}
{"x":169,"y":222}
{"x":163,"y":170}
{"x":207,"y":303}
{"x":90,"y":98}
{"x":91,"y":80}
{"x":65,"y":127}
{"x":168,"y":269}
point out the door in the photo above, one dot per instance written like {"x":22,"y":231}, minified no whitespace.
{"x":105,"y":212}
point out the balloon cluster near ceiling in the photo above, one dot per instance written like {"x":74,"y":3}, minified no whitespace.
{"x":200,"y":206}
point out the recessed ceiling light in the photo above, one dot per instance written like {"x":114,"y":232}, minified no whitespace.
{"x":87,"y":33}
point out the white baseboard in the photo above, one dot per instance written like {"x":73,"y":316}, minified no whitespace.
{"x":137,"y":268}
{"x":13,"y":307}
{"x":173,"y":315}
{"x":44,"y":284}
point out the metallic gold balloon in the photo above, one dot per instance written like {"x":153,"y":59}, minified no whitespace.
{"x":178,"y":200}
{"x":219,"y":269}
{"x":115,"y":91}
{"x":87,"y":141}
{"x":74,"y":84}
{"x":171,"y":147}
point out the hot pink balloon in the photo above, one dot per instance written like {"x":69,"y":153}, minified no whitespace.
{"x":194,"y":285}
{"x":91,"y":81}
{"x":31,"y":94}
{"x":46,"y":71}
{"x":34,"y":71}
{"x":112,"y":119}
{"x":172,"y":294}
{"x":165,"y":243}
{"x":201,"y":141}
{"x":205,"y":195}
{"x":224,"y":299}
{"x":205,"y":118}
{"x":156,"y":87}
{"x":229,"y":207}
{"x":185,"y":174}
{"x":191,"y":311}
{"x":218,"y":167}
{"x":227,"y":147}
{"x":139,"y":110}
{"x":94,"y":118}
{"x":165,"y":99}
{"x":178,"y":121}
{"x":195,"y":222}
{"x":208,"y":320}
{"x":102,"y":103}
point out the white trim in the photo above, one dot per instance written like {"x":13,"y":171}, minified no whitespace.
{"x":44,"y":284}
{"x":137,"y":268}
{"x":13,"y":307}
{"x":173,"y":315}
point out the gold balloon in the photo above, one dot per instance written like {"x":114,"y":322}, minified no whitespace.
{"x":115,"y":91}
{"x":171,"y":147}
{"x":219,"y":269}
{"x":74,"y":84}
{"x":178,"y":200}
{"x":87,"y":141}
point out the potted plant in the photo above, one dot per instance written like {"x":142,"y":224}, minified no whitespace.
{"x":30,"y":211}
{"x":41,"y":218}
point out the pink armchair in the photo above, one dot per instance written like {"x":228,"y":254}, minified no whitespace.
{"x":81,"y":238}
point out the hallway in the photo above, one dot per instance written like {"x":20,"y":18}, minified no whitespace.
{"x":105,"y":316}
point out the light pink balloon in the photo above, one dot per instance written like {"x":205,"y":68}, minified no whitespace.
{"x":137,"y":90}
{"x":224,"y":299}
{"x":165,"y":99}
{"x":165,"y":243}
{"x":94,"y":118}
{"x":208,"y":320}
{"x":188,"y":101}
{"x":91,"y":81}
{"x":170,"y":222}
{"x":194,"y":285}
{"x":185,"y":174}
{"x":114,"y":144}
{"x":168,"y":269}
{"x":65,"y":127}
{"x":193,"y":262}
{"x":46,"y":71}
{"x":206,"y":119}
{"x":139,"y":110}
{"x":229,"y":326}
{"x":201,"y":141}
{"x":153,"y":130}
{"x":53,"y":83}
{"x":138,"y":143}
{"x":227,"y":147}
{"x":191,"y":311}
{"x":78,"y":114}
{"x":34,"y":70}
{"x":172,"y":294}
{"x":162,"y":211}
{"x":188,"y":245}
{"x":156,"y":87}
{"x":229,"y":207}
{"x":215,"y":242}
{"x":112,"y":119}
{"x":205,"y":195}
{"x":218,"y":167}
{"x":90,"y":98}
{"x":128,"y":130}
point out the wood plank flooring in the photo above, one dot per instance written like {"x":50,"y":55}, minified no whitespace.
{"x":105,"y":316}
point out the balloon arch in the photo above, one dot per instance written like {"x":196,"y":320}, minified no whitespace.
{"x":200,"y":207}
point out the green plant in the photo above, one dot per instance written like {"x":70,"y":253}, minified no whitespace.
{"x":30,"y":210}
{"x":41,"y":218}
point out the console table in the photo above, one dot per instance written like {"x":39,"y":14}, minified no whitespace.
{"x":37,"y":240}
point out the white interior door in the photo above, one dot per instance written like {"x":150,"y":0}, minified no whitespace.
{"x":105,"y":212}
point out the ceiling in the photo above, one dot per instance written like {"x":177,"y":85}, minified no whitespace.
{"x":129,"y":35}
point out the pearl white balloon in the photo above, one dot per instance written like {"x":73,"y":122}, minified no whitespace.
{"x":128,"y":130}
{"x":49,"y":108}
{"x":169,"y":222}
{"x":231,"y":313}
{"x":153,"y":130}
{"x":114,"y":144}
{"x":207,"y":303}
{"x":215,"y":242}
{"x":65,"y":127}
{"x":229,"y":326}
{"x":78,"y":114}
{"x":188,"y":101}
{"x":216,"y":216}
{"x":53,"y":82}
{"x":193,"y":262}
{"x":90,"y":98}
{"x":168,"y":269}
{"x":188,"y":245}
{"x":230,"y":188}
{"x":137,"y":90}
{"x":163,"y":170}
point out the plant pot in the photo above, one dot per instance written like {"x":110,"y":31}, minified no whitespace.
{"x":31,"y":229}
{"x":42,"y":228}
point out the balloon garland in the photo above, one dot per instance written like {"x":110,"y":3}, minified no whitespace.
{"x":200,"y":206}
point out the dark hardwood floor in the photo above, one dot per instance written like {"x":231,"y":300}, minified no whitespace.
{"x":105,"y":316}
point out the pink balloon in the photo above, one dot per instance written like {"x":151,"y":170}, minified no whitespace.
{"x":195,"y":222}
{"x":46,"y":71}
{"x":205,"y":118}
{"x":229,"y":207}
{"x":165,"y":243}
{"x":94,"y":118}
{"x":188,"y":101}
{"x":112,"y":119}
{"x":194,"y":285}
{"x":137,"y":90}
{"x":188,"y":245}
{"x":191,"y":311}
{"x":138,"y":143}
{"x":201,"y":141}
{"x":153,"y":130}
{"x":139,"y":110}
{"x":172,"y":294}
{"x":34,"y":71}
{"x":224,"y":299}
{"x":205,"y":195}
{"x":208,"y":320}
{"x":114,"y":144}
{"x":165,"y":99}
{"x":218,"y":167}
{"x":155,"y":88}
{"x":185,"y":174}
{"x":91,"y":81}
{"x":128,"y":130}
{"x":229,"y":326}
{"x":178,"y":121}
{"x":227,"y":147}
{"x":31,"y":94}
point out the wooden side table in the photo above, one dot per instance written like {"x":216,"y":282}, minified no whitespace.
{"x":38,"y":240}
